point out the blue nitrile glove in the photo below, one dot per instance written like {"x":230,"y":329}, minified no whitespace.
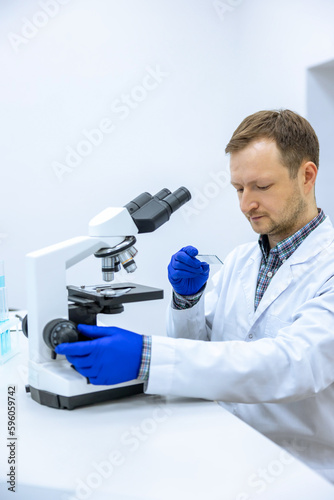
{"x":112,"y":357}
{"x":187,"y":274}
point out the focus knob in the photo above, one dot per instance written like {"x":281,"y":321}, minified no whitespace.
{"x":25,"y":325}
{"x":59,"y":331}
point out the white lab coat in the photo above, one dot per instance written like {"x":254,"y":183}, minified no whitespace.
{"x":279,"y":358}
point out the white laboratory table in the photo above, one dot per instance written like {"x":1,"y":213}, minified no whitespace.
{"x":143,"y":447}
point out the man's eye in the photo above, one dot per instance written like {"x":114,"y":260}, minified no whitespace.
{"x":263,"y":188}
{"x":240,"y":190}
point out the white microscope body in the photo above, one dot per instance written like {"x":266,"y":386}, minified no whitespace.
{"x":52,"y":380}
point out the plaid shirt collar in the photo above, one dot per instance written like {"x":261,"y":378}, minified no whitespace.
{"x":286,"y":247}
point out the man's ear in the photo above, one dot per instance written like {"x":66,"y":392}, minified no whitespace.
{"x":309,"y":172}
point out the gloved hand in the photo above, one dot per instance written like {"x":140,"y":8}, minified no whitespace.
{"x":112,"y":357}
{"x":187,"y":274}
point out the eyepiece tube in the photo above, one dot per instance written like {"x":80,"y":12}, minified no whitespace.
{"x":178,"y":198}
{"x":162,"y":194}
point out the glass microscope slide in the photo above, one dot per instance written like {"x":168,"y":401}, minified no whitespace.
{"x":213,"y":260}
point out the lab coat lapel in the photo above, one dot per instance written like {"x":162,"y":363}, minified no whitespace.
{"x":248,"y":279}
{"x":278,"y":284}
{"x":318,"y":240}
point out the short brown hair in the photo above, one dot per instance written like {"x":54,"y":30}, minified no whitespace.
{"x":294,"y":137}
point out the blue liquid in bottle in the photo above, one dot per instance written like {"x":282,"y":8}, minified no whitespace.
{"x":5,"y":344}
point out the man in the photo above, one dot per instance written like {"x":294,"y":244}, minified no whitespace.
{"x":262,"y":341}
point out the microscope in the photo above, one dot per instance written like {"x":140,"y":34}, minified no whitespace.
{"x":55,"y":309}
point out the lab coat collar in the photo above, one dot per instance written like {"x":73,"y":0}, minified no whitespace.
{"x":319,"y":239}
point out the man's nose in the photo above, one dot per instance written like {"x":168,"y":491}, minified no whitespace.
{"x":248,"y":202}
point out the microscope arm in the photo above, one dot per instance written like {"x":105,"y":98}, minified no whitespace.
{"x":46,"y":275}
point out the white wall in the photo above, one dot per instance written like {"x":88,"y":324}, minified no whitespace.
{"x":220,"y":61}
{"x":320,"y":109}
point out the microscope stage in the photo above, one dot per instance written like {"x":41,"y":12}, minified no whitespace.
{"x":118,"y":293}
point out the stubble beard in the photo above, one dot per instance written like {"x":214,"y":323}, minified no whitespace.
{"x":290,"y":219}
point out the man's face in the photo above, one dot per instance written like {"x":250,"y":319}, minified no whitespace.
{"x":272,"y":201}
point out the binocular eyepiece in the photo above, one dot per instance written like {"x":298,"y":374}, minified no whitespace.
{"x":148,"y":213}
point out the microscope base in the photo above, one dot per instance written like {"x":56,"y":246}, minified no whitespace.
{"x":70,"y":402}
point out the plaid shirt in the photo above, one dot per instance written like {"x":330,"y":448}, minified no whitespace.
{"x":272,"y":259}
{"x":145,"y":358}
